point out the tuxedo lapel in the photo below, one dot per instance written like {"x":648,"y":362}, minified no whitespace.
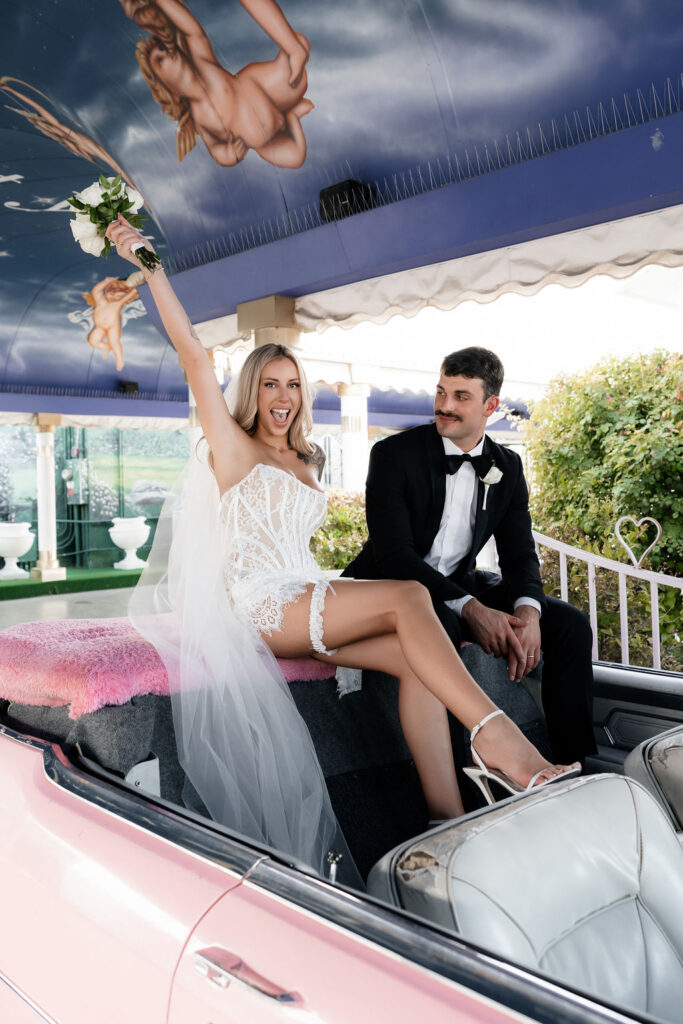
{"x":481,"y":515}
{"x":437,"y":472}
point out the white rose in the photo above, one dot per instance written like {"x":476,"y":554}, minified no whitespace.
{"x":92,"y":195}
{"x":94,"y":246}
{"x":493,"y":476}
{"x":82,"y":227}
{"x":86,"y":234}
{"x":135,"y":198}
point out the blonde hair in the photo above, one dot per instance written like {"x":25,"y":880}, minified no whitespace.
{"x":246,"y":405}
{"x":177,"y":108}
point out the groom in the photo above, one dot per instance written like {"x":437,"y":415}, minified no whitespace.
{"x":435,"y":494}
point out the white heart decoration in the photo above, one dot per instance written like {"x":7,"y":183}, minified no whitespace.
{"x":631,"y":519}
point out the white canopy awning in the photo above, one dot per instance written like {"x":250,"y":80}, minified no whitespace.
{"x":618,"y":248}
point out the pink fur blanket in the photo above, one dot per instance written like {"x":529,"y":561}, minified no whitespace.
{"x":87,"y":663}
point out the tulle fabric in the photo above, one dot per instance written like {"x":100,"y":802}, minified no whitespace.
{"x":241,"y":741}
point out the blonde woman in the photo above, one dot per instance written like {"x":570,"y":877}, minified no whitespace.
{"x":266,"y":485}
{"x":258,"y":108}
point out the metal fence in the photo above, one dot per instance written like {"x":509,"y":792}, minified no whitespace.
{"x":623,"y":571}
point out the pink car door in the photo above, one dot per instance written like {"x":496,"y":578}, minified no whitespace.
{"x":100,"y":893}
{"x":258,"y":958}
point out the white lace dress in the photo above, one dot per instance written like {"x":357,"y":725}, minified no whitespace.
{"x":270,"y":517}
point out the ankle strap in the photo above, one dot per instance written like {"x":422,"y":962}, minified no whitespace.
{"x":483,"y":722}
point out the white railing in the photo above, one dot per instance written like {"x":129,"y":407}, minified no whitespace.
{"x":655,"y":580}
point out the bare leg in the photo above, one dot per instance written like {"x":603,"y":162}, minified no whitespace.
{"x":302,"y":108}
{"x":96,"y":339}
{"x":423,"y":720}
{"x":288,"y":148}
{"x":361,"y":610}
{"x":114,"y":336}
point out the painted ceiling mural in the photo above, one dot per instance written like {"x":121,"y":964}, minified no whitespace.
{"x":231,"y":116}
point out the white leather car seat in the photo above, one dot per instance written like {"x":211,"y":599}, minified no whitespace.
{"x":582,"y":881}
{"x":658,"y":765}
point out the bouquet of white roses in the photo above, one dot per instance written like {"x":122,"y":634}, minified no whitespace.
{"x":97,"y":206}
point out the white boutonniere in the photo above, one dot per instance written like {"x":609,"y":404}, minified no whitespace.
{"x":494,"y":476}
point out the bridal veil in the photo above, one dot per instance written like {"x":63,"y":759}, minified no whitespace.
{"x":241,"y":741}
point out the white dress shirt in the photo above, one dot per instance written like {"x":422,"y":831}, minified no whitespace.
{"x":454,"y":537}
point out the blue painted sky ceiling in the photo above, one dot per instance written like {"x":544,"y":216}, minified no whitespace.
{"x":416,"y":96}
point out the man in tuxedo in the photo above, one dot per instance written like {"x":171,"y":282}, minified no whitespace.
{"x":435,"y":494}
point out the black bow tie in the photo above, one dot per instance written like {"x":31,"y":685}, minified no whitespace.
{"x":482,"y":463}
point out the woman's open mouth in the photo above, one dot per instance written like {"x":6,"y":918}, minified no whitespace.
{"x":280,"y":416}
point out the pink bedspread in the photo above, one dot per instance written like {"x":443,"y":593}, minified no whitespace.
{"x":87,"y":663}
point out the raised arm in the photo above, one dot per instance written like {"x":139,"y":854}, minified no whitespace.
{"x":268,"y":15}
{"x":232,"y":449}
{"x":197,"y":39}
{"x":98,"y":289}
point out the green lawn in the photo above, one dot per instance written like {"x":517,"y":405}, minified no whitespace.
{"x":159,"y":469}
{"x":105,"y":467}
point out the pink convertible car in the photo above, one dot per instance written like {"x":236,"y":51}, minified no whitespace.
{"x":123,"y":902}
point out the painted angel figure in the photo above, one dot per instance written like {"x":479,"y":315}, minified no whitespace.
{"x":258,"y":108}
{"x":107,"y":299}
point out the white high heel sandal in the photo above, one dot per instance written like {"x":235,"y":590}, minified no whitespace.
{"x":481,"y":774}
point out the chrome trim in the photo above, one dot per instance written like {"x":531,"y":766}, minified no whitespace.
{"x":224,"y":969}
{"x":608,"y":734}
{"x":649,"y":680}
{"x":253,"y":867}
{"x":29,"y":1002}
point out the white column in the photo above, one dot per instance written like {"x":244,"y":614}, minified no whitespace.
{"x":48,"y":567}
{"x":354,"y":423}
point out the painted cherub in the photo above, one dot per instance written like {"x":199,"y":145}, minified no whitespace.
{"x":258,"y":108}
{"x":108,"y":298}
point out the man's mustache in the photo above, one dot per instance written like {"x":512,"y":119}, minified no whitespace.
{"x":448,"y":415}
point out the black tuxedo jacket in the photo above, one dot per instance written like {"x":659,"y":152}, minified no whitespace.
{"x":405,"y":494}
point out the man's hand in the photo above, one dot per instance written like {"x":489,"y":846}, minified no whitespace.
{"x":529,"y":637}
{"x":495,"y":632}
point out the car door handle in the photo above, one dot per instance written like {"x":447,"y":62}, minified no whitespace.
{"x":222,"y":968}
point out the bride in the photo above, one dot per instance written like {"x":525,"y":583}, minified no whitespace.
{"x":242,"y":586}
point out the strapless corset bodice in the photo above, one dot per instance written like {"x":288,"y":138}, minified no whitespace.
{"x":269,"y":518}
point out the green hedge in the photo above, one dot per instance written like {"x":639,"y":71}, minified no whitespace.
{"x":603,"y":444}
{"x":342,"y":535}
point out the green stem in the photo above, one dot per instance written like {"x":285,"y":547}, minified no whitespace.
{"x":149,"y":260}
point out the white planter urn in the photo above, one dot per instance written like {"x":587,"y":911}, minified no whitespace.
{"x":15,"y":540}
{"x":129,"y":533}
